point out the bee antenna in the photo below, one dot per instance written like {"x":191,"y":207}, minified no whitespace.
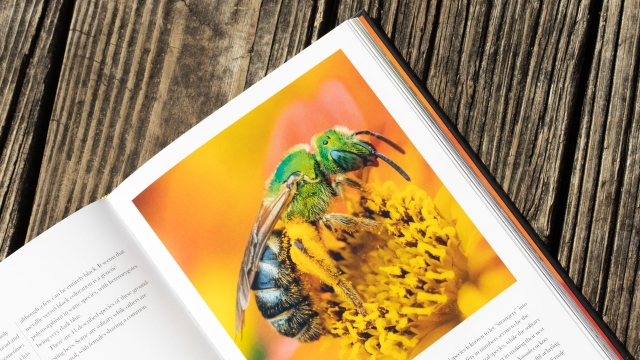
{"x":393,"y":165}
{"x":380,"y":137}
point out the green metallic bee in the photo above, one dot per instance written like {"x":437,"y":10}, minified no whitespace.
{"x":299,"y":194}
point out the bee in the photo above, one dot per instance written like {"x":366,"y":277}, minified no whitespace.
{"x":281,"y":295}
{"x":299,"y":194}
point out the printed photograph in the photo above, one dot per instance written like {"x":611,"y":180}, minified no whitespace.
{"x":313,"y":228}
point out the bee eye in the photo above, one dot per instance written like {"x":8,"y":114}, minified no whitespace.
{"x":325,"y":142}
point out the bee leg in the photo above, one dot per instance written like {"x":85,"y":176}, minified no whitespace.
{"x":310,"y":256}
{"x":343,"y":222}
{"x":351,"y":294}
{"x":343,"y":180}
{"x":327,"y":273}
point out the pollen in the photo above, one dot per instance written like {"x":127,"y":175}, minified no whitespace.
{"x":408,"y":275}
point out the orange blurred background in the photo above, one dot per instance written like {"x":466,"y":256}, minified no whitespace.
{"x":204,"y":207}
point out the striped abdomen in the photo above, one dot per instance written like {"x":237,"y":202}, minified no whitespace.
{"x":281,"y":296}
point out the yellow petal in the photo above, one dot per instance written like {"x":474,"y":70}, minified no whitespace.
{"x":470,"y":299}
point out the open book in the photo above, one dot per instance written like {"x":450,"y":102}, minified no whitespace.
{"x":330,"y":211}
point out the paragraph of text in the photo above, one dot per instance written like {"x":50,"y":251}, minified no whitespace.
{"x":516,"y":336}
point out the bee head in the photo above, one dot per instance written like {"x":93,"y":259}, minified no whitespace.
{"x":340,"y":150}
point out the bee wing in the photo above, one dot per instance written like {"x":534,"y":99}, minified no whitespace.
{"x":266,"y":219}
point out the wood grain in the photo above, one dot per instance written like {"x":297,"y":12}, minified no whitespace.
{"x":545,"y":92}
{"x":32,"y":36}
{"x":113,"y":111}
{"x":600,"y":246}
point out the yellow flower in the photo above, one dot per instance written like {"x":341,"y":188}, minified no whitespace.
{"x":408,"y":275}
{"x":425,"y":271}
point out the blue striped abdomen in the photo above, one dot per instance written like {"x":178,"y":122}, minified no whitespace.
{"x":281,"y":296}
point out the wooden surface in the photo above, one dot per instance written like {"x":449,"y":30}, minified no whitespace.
{"x":546,"y":92}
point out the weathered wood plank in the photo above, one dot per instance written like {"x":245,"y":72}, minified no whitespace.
{"x":620,"y":269}
{"x":593,"y":119}
{"x":284,"y":28}
{"x":113,"y":110}
{"x":18,"y":32}
{"x":519,"y":112}
{"x":32,"y":37}
{"x":623,"y":281}
{"x":415,"y":29}
{"x":632,"y":339}
{"x":600,"y":244}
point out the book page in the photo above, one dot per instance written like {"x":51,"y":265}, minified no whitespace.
{"x":405,"y":260}
{"x":85,"y":289}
